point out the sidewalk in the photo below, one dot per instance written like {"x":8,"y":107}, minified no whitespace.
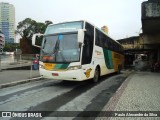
{"x":17,"y":73}
{"x":7,"y":76}
{"x":15,"y":65}
{"x":139,"y":92}
{"x":15,"y":77}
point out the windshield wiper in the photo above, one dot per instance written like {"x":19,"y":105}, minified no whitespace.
{"x":56,"y":50}
{"x":56,"y":47}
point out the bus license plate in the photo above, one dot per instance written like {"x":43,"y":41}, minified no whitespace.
{"x":48,"y":66}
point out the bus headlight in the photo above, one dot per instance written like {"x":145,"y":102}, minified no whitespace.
{"x":75,"y":67}
{"x":41,"y":66}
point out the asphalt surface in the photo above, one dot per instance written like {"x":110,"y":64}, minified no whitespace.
{"x":137,"y":93}
{"x":55,"y":96}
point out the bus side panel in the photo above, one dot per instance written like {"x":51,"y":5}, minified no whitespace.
{"x":118,"y":60}
{"x":103,"y":58}
{"x":108,"y":56}
{"x":98,"y":58}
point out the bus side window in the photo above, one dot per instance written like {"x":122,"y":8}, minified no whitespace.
{"x":97,"y":38}
{"x":109,"y":44}
{"x":88,"y":44}
{"x":105,"y":42}
{"x":101,"y":39}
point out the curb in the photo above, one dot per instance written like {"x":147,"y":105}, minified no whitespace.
{"x":110,"y":106}
{"x":27,"y":67}
{"x":20,"y":82}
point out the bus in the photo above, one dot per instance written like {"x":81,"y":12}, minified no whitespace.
{"x":78,"y":51}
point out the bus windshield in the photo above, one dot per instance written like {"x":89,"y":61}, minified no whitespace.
{"x":60,"y":48}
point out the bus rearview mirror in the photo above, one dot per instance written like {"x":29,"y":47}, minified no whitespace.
{"x":34,"y":39}
{"x":81,"y":35}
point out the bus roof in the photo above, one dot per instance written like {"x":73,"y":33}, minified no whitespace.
{"x":89,"y":23}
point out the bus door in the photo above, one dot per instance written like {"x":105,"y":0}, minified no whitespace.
{"x":88,"y":49}
{"x":88,"y":44}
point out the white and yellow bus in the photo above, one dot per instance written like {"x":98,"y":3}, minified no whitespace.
{"x":78,"y":51}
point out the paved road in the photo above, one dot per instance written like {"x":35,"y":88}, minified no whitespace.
{"x":139,"y":92}
{"x":53,"y":96}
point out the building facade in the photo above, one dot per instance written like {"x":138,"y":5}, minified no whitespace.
{"x":144,"y":50}
{"x":2,"y":41}
{"x":7,"y":21}
{"x":151,"y":26}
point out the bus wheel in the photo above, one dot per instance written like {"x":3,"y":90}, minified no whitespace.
{"x":96,"y":75}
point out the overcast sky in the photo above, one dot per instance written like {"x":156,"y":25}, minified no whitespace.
{"x":123,"y":17}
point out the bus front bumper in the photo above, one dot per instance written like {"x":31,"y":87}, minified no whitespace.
{"x":71,"y":75}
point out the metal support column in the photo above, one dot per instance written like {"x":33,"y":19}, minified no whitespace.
{"x":158,"y":54}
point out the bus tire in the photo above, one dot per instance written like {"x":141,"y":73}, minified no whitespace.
{"x":96,"y":75}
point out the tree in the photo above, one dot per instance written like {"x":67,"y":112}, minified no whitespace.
{"x":28,"y":27}
{"x":11,"y":47}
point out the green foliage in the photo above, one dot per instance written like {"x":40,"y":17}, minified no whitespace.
{"x":28,"y":27}
{"x":11,"y":47}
